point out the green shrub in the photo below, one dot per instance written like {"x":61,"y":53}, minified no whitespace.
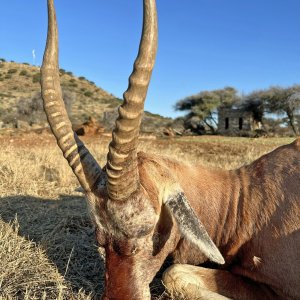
{"x":88,"y":94}
{"x":2,"y":59}
{"x":63,"y":71}
{"x":23,"y":73}
{"x":69,"y":73}
{"x":4,"y":95}
{"x":81,"y":78}
{"x":8,"y":76}
{"x":83,"y":89}
{"x":72,"y":80}
{"x":25,"y":63}
{"x":73,"y":85}
{"x":36,"y":78}
{"x":12,"y":71}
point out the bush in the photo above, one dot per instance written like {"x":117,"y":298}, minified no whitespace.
{"x":29,"y":106}
{"x":25,"y":63}
{"x":33,"y":109}
{"x":12,"y":71}
{"x":69,"y":73}
{"x":73,"y":85}
{"x":23,"y":73}
{"x":36,"y":78}
{"x":2,"y":59}
{"x":7,"y":76}
{"x":81,"y":78}
{"x":63,"y":71}
{"x":88,"y":94}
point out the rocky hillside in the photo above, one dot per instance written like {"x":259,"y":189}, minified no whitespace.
{"x":21,"y":104}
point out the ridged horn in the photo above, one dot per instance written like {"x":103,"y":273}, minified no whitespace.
{"x":122,"y":172}
{"x":79,"y":158}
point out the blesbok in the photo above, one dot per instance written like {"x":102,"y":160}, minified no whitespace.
{"x":146,"y":207}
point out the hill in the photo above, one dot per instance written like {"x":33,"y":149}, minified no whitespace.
{"x":21,"y":103}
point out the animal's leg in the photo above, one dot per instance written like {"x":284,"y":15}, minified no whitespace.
{"x":197,"y":283}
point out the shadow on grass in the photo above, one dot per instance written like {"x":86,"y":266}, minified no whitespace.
{"x":64,"y":230}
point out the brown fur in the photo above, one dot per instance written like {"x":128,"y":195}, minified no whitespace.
{"x":251,"y":214}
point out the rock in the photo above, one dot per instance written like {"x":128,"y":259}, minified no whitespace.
{"x":91,"y":127}
{"x":168,"y":132}
{"x":36,"y":126}
{"x":23,"y":125}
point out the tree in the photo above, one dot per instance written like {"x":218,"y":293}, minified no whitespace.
{"x":204,"y":105}
{"x":283,"y":101}
{"x":254,"y":103}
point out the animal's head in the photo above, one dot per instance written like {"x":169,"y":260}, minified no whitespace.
{"x":139,"y":211}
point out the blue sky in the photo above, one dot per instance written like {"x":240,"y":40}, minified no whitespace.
{"x":203,"y":44}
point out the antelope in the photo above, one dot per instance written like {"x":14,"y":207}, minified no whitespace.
{"x":146,"y":207}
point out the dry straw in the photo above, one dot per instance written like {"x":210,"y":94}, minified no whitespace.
{"x":47,"y":243}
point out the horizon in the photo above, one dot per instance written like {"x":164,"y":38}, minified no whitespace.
{"x":202,"y":46}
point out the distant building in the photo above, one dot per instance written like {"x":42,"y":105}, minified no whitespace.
{"x":236,"y":122}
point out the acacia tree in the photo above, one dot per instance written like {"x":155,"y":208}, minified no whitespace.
{"x":254,"y":103}
{"x":283,"y":101}
{"x":277,"y":100}
{"x":204,"y":105}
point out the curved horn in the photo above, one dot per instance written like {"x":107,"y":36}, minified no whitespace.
{"x":122,"y":172}
{"x":79,"y":158}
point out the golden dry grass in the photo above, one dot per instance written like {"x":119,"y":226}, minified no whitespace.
{"x":48,"y":249}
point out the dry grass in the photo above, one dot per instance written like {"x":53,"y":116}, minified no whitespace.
{"x":49,"y":251}
{"x":19,"y":276}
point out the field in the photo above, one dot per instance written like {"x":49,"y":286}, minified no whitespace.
{"x":48,"y":249}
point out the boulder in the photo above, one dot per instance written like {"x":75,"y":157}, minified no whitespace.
{"x":91,"y":127}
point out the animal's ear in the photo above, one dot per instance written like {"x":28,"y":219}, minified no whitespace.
{"x":191,"y":227}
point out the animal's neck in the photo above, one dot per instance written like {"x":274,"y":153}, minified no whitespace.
{"x":215,"y":197}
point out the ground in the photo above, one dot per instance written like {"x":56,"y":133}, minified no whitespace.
{"x":48,"y":248}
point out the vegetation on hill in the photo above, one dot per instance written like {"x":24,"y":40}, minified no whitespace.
{"x":20,"y":99}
